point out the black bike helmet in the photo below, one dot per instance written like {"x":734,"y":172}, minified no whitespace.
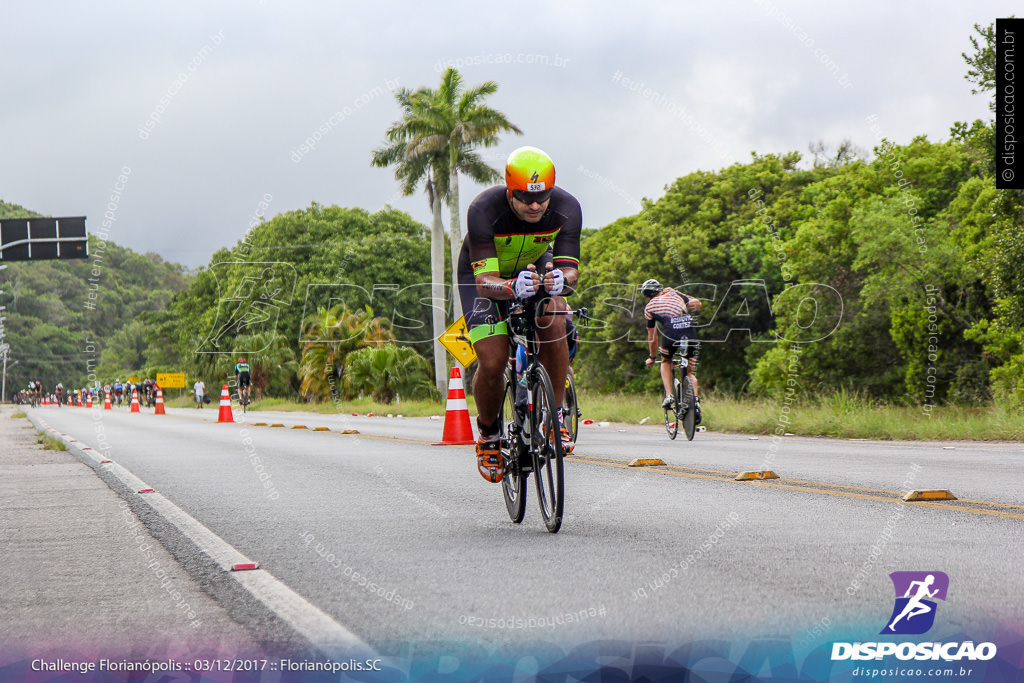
{"x":650,"y":288}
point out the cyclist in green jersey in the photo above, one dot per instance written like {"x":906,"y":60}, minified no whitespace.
{"x":520,"y":239}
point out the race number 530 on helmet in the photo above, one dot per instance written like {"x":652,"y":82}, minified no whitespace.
{"x":529,"y":175}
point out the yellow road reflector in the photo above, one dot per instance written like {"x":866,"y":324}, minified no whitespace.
{"x":351,"y":431}
{"x":646,"y":462}
{"x":321,"y":429}
{"x":277,"y":424}
{"x":259,"y":424}
{"x":752,"y":476}
{"x":930,"y":494}
{"x":298,"y":426}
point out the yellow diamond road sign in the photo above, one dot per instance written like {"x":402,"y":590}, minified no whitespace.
{"x":456,"y":340}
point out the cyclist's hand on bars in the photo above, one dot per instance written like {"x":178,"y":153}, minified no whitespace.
{"x":554,"y":280}
{"x":527,"y":283}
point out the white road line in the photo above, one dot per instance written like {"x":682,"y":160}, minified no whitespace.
{"x":323,"y":632}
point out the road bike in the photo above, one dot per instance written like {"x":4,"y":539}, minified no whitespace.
{"x":682,"y":408}
{"x":531,"y":439}
{"x":243,"y":396}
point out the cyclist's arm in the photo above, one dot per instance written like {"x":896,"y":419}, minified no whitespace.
{"x":693,"y":304}
{"x":652,"y":339}
{"x":493,"y":286}
{"x":566,"y":249}
{"x":483,"y":256}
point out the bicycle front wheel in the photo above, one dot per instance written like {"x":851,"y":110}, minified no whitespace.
{"x":686,"y":408}
{"x":671,"y":421}
{"x":546,"y":448}
{"x":513,"y":485}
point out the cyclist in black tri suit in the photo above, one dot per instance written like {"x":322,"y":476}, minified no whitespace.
{"x":519,"y":238}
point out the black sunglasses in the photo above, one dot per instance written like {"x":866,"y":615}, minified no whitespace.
{"x":531,"y":197}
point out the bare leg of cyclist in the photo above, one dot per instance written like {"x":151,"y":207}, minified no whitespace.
{"x":488,"y":382}
{"x":691,"y":371}
{"x":666,"y":376}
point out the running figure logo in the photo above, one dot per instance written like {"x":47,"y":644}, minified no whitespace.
{"x":914,"y":612}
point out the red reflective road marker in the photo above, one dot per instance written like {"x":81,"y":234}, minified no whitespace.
{"x":245,"y":566}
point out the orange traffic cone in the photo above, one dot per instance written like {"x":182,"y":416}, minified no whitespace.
{"x":457,"y":430}
{"x":159,"y":402}
{"x":106,"y":401}
{"x":88,"y":400}
{"x":79,"y":400}
{"x":225,"y":406}
{"x":135,"y":401}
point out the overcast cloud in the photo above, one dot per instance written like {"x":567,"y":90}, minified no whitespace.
{"x":208,"y":106}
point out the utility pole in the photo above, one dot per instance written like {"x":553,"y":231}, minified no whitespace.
{"x":3,"y":386}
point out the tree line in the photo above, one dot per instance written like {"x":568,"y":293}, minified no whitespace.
{"x":896,"y":274}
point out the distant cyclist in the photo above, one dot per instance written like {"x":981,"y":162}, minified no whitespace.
{"x":670,"y":309}
{"x":118,"y":391}
{"x":59,"y":393}
{"x":243,"y":379}
{"x":520,"y":239}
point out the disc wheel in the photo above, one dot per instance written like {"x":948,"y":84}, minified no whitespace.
{"x":686,"y":409}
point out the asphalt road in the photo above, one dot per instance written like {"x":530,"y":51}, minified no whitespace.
{"x":401,"y":541}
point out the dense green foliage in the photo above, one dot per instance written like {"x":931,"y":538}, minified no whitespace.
{"x":255,"y":297}
{"x":67,"y":320}
{"x":898,"y":277}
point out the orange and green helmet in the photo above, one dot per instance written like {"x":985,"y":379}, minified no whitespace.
{"x":529,"y":175}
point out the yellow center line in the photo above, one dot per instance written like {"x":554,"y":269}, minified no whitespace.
{"x":817,"y":487}
{"x":976,"y":511}
{"x":985,"y":502}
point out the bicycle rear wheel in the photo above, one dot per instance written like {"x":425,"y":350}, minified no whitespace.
{"x":671,"y":420}
{"x":571,"y":408}
{"x":546,"y":448}
{"x":685,"y":400}
{"x":513,"y":485}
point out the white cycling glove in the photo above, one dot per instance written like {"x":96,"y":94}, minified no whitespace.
{"x":523,"y":287}
{"x":558,"y":282}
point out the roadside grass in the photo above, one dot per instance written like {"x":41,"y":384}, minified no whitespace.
{"x":18,"y":415}
{"x":49,"y":443}
{"x":840,"y":415}
{"x":418,"y":408}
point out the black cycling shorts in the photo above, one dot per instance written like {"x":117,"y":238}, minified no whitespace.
{"x":244,"y":380}
{"x":687,"y":341}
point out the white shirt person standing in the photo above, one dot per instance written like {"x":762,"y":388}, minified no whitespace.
{"x":200,"y":390}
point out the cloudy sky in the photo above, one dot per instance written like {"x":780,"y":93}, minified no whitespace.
{"x":205,"y":106}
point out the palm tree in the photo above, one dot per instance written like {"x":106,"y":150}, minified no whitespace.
{"x":435,"y":140}
{"x":387,"y":372}
{"x":331,"y":334}
{"x":462,"y":123}
{"x":411,"y":169}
